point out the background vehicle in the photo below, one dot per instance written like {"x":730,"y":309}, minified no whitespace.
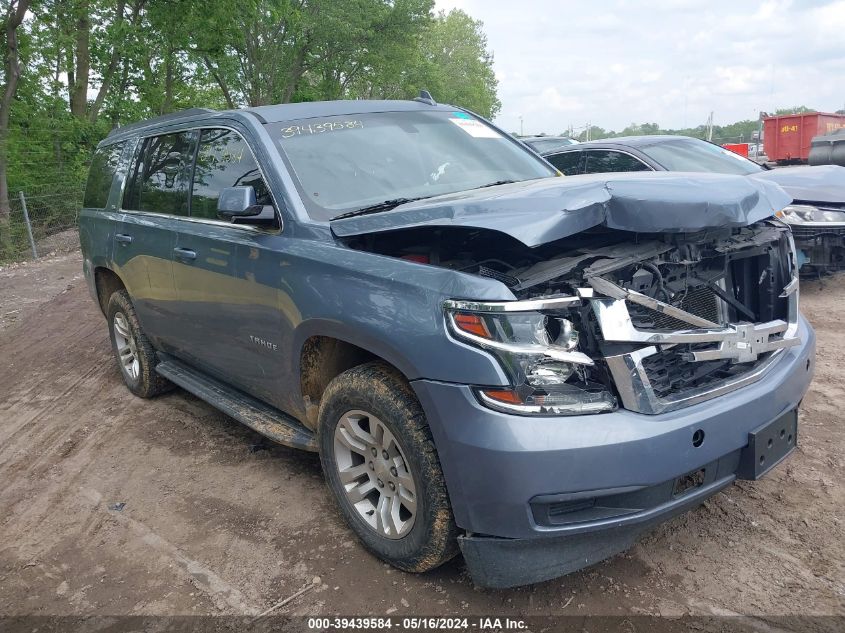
{"x":479,"y":350}
{"x":828,"y":149}
{"x":787,"y":138}
{"x":547,"y":143}
{"x":817,"y":215}
{"x":757,"y":153}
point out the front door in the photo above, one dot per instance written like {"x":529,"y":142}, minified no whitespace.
{"x":228,"y":276}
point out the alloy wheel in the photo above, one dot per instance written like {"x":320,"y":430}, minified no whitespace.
{"x":127,"y":351}
{"x":374,"y":474}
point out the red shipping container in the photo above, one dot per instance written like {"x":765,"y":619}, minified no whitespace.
{"x":737,"y":148}
{"x":787,"y":137}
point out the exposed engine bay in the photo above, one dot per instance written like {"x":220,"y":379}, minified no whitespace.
{"x":662,"y":316}
{"x":745,"y":268}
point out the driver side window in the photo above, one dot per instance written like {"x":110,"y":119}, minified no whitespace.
{"x":224,"y":160}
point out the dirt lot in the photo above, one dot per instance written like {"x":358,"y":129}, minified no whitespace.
{"x":218,"y":521}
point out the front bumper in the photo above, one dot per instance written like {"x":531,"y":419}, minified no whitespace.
{"x":501,"y":468}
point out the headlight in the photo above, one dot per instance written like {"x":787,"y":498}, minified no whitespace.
{"x":539,"y":352}
{"x":808,"y":214}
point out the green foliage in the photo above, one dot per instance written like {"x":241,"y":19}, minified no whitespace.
{"x":794,"y":110}
{"x":739,"y":132}
{"x":455,"y":65}
{"x":91,"y":65}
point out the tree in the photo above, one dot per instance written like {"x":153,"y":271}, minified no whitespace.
{"x":456,"y":65}
{"x":11,"y":22}
{"x":86,"y":66}
{"x":794,"y":110}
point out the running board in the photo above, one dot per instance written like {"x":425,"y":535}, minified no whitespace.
{"x":247,"y":410}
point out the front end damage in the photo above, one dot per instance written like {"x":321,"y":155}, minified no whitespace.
{"x":607,"y":318}
{"x":633,"y":362}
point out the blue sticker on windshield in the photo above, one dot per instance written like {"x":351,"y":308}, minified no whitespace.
{"x":462,"y":115}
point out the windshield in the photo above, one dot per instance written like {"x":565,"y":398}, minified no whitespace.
{"x":695,"y":155}
{"x":345,"y":163}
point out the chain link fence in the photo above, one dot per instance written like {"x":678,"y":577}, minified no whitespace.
{"x":47,"y":168}
{"x":42,"y":220}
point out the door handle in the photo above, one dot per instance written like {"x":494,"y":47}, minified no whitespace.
{"x":123,"y":238}
{"x":185,"y":253}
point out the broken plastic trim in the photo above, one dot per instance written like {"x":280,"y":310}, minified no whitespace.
{"x":632,"y":381}
{"x":610,"y":289}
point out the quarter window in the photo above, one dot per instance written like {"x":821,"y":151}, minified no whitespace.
{"x":160,"y":175}
{"x":104,"y":165}
{"x":601,"y":161}
{"x":569,"y":163}
{"x":224,"y":160}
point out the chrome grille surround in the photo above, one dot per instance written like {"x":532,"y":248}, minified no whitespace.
{"x":758,"y":344}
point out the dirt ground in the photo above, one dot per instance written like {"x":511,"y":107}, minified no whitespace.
{"x":218,"y":521}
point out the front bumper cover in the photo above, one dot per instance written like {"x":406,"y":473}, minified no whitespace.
{"x":499,"y":563}
{"x":497,"y":464}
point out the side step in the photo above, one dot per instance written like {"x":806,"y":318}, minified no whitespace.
{"x":247,"y":410}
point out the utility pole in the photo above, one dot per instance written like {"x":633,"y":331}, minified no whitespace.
{"x":521,"y":130}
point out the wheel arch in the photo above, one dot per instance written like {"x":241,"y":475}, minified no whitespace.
{"x":326,"y":349}
{"x":106,"y":283}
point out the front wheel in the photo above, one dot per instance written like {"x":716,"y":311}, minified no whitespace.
{"x":382,"y":468}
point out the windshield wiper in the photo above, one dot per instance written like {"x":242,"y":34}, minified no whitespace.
{"x":497,"y":183}
{"x":385,"y":205}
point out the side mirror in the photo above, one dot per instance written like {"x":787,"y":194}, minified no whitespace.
{"x":237,"y":202}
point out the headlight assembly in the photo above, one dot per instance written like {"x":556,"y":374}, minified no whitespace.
{"x":808,"y":214}
{"x":538,"y":351}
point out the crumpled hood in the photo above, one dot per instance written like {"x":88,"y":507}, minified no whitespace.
{"x":540,"y":211}
{"x":822,"y":183}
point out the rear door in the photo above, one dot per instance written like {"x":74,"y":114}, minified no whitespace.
{"x":154,"y":202}
{"x":99,"y":218}
{"x":228,"y":276}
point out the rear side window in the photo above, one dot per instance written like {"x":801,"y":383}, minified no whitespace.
{"x":224,"y":160}
{"x":569,"y":163}
{"x":160,"y":175}
{"x":601,"y":162}
{"x":104,"y":165}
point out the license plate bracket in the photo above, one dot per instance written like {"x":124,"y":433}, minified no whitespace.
{"x":768,"y":445}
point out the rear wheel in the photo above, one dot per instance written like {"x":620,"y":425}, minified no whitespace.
{"x":382,"y":468}
{"x":133,"y":351}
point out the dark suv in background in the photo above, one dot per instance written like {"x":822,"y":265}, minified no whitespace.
{"x":485,"y":355}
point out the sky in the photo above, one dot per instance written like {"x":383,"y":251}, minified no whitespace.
{"x":614,"y":62}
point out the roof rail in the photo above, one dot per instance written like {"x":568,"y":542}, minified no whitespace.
{"x":167,"y":118}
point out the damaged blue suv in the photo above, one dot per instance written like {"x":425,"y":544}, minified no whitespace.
{"x":489,"y":358}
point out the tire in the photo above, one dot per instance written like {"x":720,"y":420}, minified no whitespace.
{"x":375,"y":397}
{"x":135,"y":355}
